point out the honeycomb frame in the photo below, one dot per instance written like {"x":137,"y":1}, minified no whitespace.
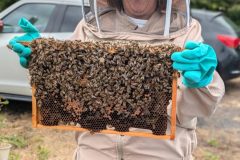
{"x":36,"y":119}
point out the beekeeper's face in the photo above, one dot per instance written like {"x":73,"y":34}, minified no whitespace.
{"x":142,"y":9}
{"x":167,"y":21}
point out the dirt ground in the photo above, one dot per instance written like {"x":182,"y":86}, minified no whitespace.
{"x":218,"y":137}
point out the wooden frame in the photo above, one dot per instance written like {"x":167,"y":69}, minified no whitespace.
{"x":36,"y":116}
{"x":171,"y":136}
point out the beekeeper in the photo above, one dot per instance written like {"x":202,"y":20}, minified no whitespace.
{"x":153,"y":22}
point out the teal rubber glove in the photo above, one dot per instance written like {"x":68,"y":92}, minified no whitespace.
{"x":196,"y":63}
{"x":31,"y":33}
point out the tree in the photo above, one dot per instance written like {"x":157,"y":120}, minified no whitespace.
{"x":230,"y":7}
{"x":5,"y":3}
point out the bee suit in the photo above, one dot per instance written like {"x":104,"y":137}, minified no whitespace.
{"x":170,"y":23}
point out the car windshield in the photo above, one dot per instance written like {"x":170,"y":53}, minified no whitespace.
{"x":229,"y":24}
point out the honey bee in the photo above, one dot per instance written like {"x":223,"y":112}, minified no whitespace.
{"x":121,"y":83}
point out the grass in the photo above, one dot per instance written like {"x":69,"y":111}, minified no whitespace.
{"x":14,"y":156}
{"x":42,"y":153}
{"x":211,"y":156}
{"x":36,"y":139}
{"x":2,"y":119}
{"x":16,"y":140}
{"x":213,"y":143}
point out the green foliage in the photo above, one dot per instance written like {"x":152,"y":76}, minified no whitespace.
{"x":230,"y":7}
{"x":213,"y":143}
{"x":5,"y":3}
{"x":3,"y":102}
{"x":234,"y":13}
{"x":16,"y":140}
{"x":211,"y":156}
{"x":42,"y":153}
{"x":2,"y":121}
{"x":14,"y":156}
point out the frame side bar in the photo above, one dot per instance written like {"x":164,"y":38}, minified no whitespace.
{"x":34,"y":109}
{"x":174,"y":105}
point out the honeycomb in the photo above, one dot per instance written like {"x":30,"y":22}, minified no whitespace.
{"x":102,"y":85}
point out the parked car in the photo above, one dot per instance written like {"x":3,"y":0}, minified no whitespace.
{"x":59,"y":18}
{"x":53,"y":18}
{"x":221,"y":33}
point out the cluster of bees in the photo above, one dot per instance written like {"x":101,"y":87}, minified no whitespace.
{"x":96,"y":85}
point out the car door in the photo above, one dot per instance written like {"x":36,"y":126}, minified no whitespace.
{"x":13,"y":78}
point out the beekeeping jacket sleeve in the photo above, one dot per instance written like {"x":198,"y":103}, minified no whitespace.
{"x":191,"y":103}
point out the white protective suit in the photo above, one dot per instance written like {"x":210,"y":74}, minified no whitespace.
{"x":191,"y":103}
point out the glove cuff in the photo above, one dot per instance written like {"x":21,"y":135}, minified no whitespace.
{"x":203,"y":83}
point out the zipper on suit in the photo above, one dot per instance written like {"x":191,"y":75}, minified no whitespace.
{"x":120,"y":147}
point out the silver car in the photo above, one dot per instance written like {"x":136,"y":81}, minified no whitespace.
{"x":53,"y":18}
